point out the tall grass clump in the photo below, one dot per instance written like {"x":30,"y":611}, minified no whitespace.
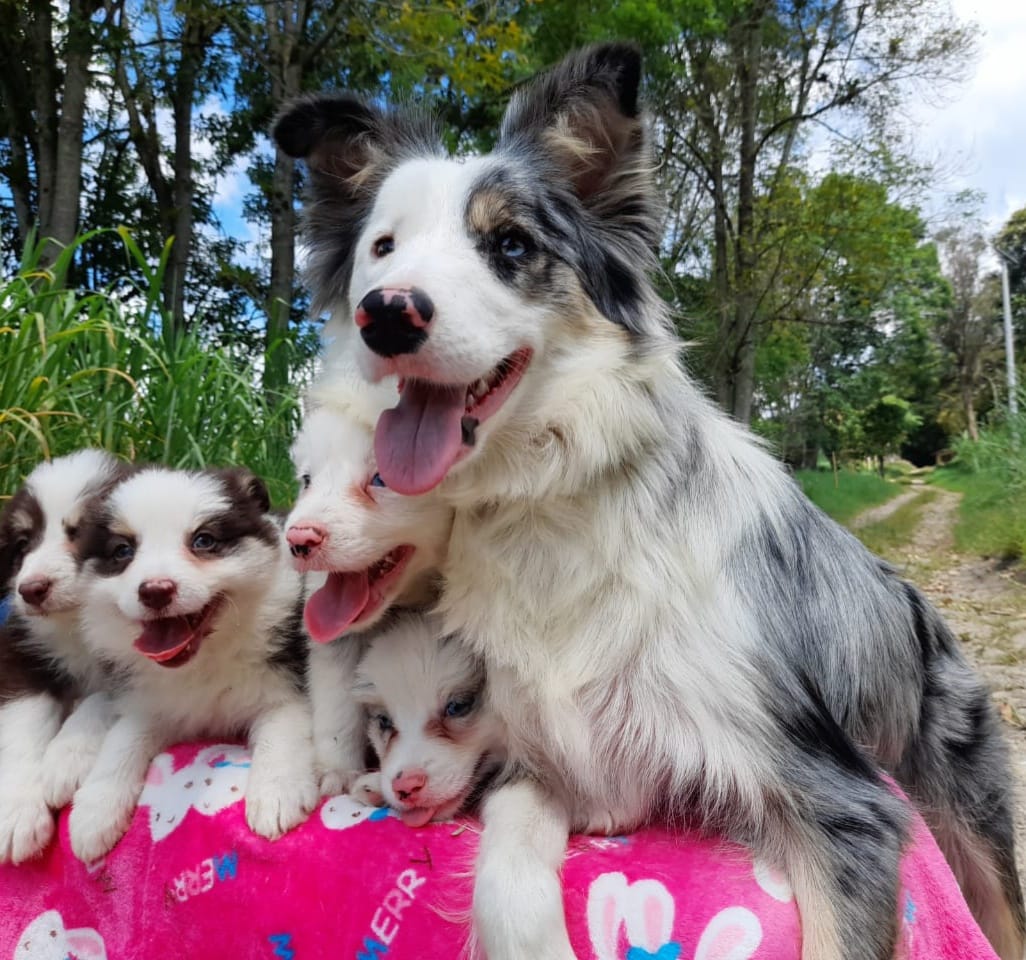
{"x":849,"y":494}
{"x":991,"y":476}
{"x":104,"y":368}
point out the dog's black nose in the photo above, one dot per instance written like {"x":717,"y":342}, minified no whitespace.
{"x":393,"y":321}
{"x":157,"y":594}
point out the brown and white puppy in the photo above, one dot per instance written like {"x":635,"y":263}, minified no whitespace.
{"x":429,"y":720}
{"x":44,"y":667}
{"x":193,"y":599}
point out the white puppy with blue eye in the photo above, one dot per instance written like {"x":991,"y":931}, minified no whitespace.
{"x":439,"y":742}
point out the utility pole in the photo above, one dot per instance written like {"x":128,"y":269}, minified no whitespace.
{"x":1013,"y":399}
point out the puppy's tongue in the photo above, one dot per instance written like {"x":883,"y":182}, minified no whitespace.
{"x":418,"y":817}
{"x":165,"y":638}
{"x":419,"y":440}
{"x":330,"y":610}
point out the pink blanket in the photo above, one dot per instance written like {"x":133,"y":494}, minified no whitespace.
{"x":190,"y":881}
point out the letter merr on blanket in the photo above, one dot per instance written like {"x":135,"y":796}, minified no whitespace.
{"x":190,"y":879}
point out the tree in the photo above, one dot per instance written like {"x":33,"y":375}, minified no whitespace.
{"x":1010,"y":244}
{"x":971,"y":328}
{"x":751,"y":81}
{"x":43,"y":88}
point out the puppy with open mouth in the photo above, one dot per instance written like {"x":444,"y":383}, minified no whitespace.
{"x":44,"y":667}
{"x":373,"y":550}
{"x":438,"y":741}
{"x":193,"y":600}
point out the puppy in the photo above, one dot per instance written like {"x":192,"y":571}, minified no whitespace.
{"x":44,"y":667}
{"x":428,"y":718}
{"x":671,"y":631}
{"x":193,"y":599}
{"x":378,"y":550}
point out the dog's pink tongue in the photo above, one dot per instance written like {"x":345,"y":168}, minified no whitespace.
{"x":164,"y":638}
{"x":418,"y":441}
{"x":418,"y":817}
{"x":330,"y":610}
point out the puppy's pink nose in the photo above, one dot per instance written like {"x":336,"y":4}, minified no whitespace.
{"x":35,"y":590}
{"x":157,"y":594}
{"x":407,"y":784}
{"x":304,"y":538}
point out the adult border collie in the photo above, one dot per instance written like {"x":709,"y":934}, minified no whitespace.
{"x":671,"y":631}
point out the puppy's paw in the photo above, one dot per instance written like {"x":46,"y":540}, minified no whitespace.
{"x":277,"y":804}
{"x":26,"y":823}
{"x":100,"y":816}
{"x":367,"y":789}
{"x":66,"y":764}
{"x":338,"y":781}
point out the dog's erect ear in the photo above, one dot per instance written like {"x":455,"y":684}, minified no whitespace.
{"x":245,"y":486}
{"x":584,"y":113}
{"x":336,"y":134}
{"x":350,"y":146}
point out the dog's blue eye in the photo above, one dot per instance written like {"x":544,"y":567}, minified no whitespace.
{"x":513,"y":245}
{"x":383,"y":246}
{"x":384,"y":722}
{"x":123,"y":551}
{"x":376,"y":481}
{"x":203,"y":541}
{"x":459,"y":707}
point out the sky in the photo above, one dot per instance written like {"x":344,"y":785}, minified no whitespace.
{"x":979,"y":133}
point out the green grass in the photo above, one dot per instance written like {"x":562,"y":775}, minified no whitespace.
{"x":100,"y":368}
{"x":855,"y":491}
{"x":992,"y":514}
{"x":887,"y":538}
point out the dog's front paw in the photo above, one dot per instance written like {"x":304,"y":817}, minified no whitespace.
{"x":277,"y":804}
{"x":66,"y":764}
{"x":26,"y":823}
{"x":100,"y":816}
{"x":338,"y":781}
{"x":367,"y":789}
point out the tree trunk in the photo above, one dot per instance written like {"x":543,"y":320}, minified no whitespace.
{"x":746,"y":296}
{"x":68,"y":159}
{"x":283,"y":223}
{"x":44,"y":94}
{"x":196,"y":34}
{"x":969,"y":408}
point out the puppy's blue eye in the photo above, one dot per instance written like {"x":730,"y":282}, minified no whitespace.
{"x":384,"y":722}
{"x":376,"y":481}
{"x":123,"y":551}
{"x":383,"y":246}
{"x":203,"y":541}
{"x":459,"y":707}
{"x":513,"y":245}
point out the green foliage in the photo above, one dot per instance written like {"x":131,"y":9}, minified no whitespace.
{"x":991,"y":476}
{"x":101,"y":368}
{"x":853,"y":492}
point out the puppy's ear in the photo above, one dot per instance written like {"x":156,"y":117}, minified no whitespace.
{"x":350,"y":146}
{"x":245,"y":487}
{"x":19,"y":516}
{"x":584,"y":114}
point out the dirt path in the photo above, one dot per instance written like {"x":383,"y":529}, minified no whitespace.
{"x":985,"y":605}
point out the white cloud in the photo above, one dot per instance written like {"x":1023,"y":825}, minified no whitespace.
{"x":979,"y":134}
